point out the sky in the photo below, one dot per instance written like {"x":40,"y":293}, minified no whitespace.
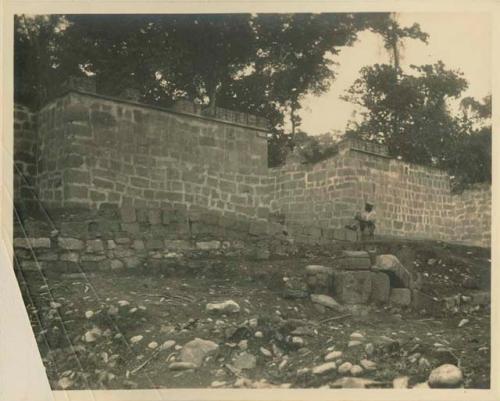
{"x":461,"y":40}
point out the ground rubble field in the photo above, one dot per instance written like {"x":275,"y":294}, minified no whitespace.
{"x":128,"y":329}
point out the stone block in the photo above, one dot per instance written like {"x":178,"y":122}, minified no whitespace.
{"x":128,"y":214}
{"x":399,"y":275}
{"x":381,"y":288}
{"x":95,"y":246}
{"x":73,"y":228}
{"x":208,"y":245}
{"x":400,"y":296}
{"x":355,"y":263}
{"x":154,"y":244}
{"x":70,"y":243}
{"x":319,"y":278}
{"x":154,"y":216}
{"x":28,"y":243}
{"x":352,"y":287}
{"x":176,"y":245}
{"x":70,"y":257}
{"x":132,"y":262}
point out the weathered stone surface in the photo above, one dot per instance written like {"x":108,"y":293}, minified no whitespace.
{"x":354,"y":382}
{"x":70,"y":257}
{"x":355,"y":260}
{"x":128,"y":214}
{"x":324,"y":368}
{"x":400,"y":296}
{"x":326,"y":301}
{"x":208,"y":245}
{"x":244,"y":360}
{"x":480,"y":298}
{"x":70,"y":243}
{"x":182,"y":366}
{"x":400,"y":276}
{"x":352,"y":287}
{"x":28,"y":243}
{"x":196,"y":350}
{"x":422,"y":301}
{"x":95,"y":246}
{"x":319,"y":278}
{"x":228,"y":306}
{"x":381,"y":288}
{"x":446,"y":376}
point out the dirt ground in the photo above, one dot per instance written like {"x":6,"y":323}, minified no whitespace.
{"x":129,"y":313}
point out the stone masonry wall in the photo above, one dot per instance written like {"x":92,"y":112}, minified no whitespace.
{"x":473,"y":216}
{"x":88,"y":151}
{"x":25,"y":150}
{"x":96,"y":150}
{"x":411,"y":201}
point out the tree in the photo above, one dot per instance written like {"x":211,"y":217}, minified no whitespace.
{"x":263,"y":64}
{"x":419,"y":100}
{"x":471,"y":152}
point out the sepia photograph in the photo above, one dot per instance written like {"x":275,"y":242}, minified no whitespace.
{"x":295,"y":200}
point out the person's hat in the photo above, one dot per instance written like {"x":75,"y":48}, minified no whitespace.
{"x":369,"y":203}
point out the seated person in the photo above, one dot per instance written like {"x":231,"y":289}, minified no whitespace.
{"x":365,"y":220}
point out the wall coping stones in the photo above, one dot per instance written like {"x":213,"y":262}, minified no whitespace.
{"x":217,"y":118}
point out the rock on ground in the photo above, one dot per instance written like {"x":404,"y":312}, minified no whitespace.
{"x":223,"y":307}
{"x":244,"y":360}
{"x":324,"y":368}
{"x":196,"y":350}
{"x":446,"y":376}
{"x":325,"y":301}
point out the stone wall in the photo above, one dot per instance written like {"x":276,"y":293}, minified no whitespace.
{"x":95,"y":150}
{"x":411,"y":201}
{"x":90,"y":151}
{"x":25,"y":151}
{"x":473,"y":216}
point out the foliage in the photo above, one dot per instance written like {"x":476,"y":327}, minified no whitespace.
{"x":313,"y":149}
{"x":259,"y":63}
{"x":427,"y":132}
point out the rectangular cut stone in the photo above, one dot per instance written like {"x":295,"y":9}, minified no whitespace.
{"x":128,"y":214}
{"x":400,"y":296}
{"x":31,"y":243}
{"x":154,"y":244}
{"x":352,"y":287}
{"x":355,"y":263}
{"x":70,"y":243}
{"x":381,"y":288}
{"x":208,"y":245}
{"x":319,"y":279}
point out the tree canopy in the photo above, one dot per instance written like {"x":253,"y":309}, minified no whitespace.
{"x":259,"y":63}
{"x":427,"y":131}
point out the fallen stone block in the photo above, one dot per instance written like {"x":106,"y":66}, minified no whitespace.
{"x":319,"y":278}
{"x":352,"y":287}
{"x":355,"y":260}
{"x":400,"y":296}
{"x":325,"y":301}
{"x":381,"y":288}
{"x":399,"y":275}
